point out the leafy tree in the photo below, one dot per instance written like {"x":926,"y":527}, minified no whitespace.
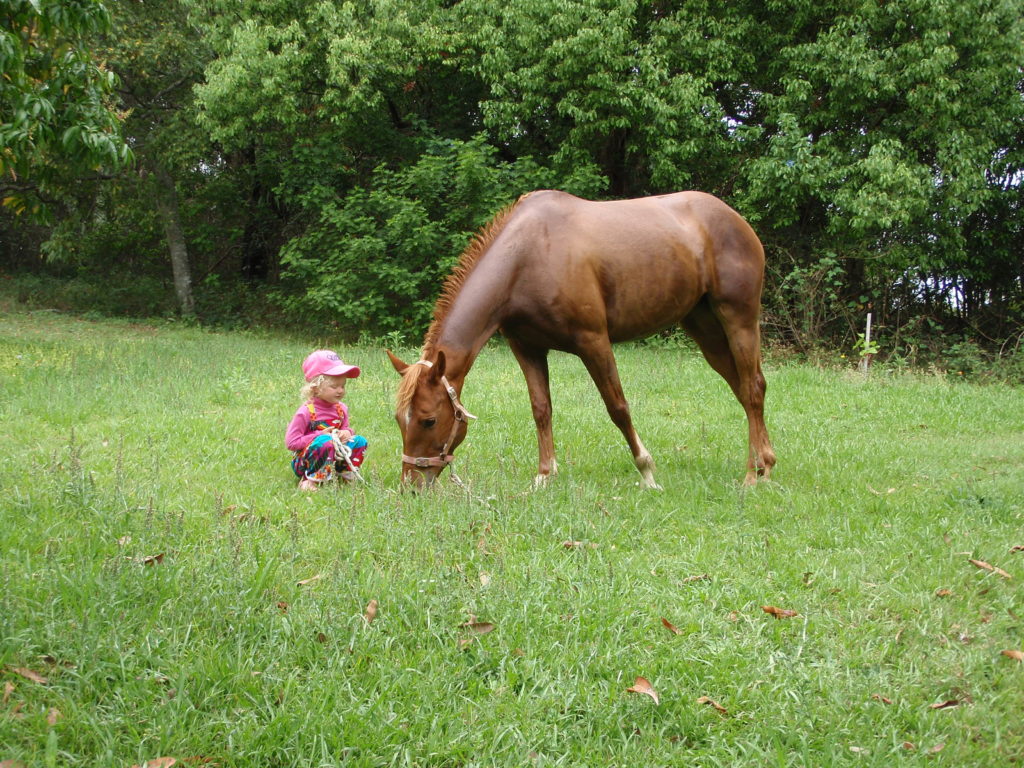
{"x":880,"y":132}
{"x":614,"y":84}
{"x":345,"y":151}
{"x":356,"y":122}
{"x":59,"y":122}
{"x":160,"y":58}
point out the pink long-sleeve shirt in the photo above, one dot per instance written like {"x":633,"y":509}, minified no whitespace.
{"x":301,"y":431}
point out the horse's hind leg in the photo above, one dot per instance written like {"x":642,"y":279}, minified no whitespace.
{"x":731,"y":344}
{"x":534,"y":363}
{"x":595,"y":350}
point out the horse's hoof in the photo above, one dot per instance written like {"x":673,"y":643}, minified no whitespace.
{"x":753,"y":478}
{"x":541,"y":481}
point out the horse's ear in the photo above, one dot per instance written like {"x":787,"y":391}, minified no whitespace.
{"x":397,"y":362}
{"x":437,"y":370}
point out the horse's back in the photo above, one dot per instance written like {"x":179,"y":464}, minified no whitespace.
{"x":629,"y":228}
{"x":647,"y":260}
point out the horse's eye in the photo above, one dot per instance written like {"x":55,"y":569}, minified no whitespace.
{"x":428,"y":423}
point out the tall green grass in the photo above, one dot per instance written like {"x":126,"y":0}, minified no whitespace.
{"x":123,"y":442}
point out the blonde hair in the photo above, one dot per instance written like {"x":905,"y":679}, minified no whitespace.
{"x":311,"y":388}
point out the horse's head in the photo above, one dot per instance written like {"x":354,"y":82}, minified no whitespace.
{"x":432,"y":420}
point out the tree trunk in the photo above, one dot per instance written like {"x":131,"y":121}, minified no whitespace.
{"x":256,"y":247}
{"x":171,"y":215}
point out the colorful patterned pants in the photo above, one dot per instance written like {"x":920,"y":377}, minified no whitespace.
{"x":319,"y":463}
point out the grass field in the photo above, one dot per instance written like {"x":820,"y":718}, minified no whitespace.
{"x":165,"y":592}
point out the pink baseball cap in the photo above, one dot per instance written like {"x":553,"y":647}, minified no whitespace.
{"x":324,"y":362}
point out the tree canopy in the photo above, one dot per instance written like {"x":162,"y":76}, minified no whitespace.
{"x":59,"y":118}
{"x":337,"y":156}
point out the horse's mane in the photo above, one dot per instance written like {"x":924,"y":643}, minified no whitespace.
{"x":449,"y":291}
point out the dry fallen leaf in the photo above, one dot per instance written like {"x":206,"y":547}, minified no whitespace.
{"x":282,"y":606}
{"x":698,"y":577}
{"x":1014,"y":654}
{"x":476,"y":628}
{"x":321,"y":638}
{"x":1017,"y":548}
{"x":310,"y":580}
{"x":371,"y":611}
{"x":670,"y":626}
{"x":986,"y":567}
{"x":485,"y":578}
{"x":53,"y":715}
{"x":158,"y":762}
{"x":28,"y":674}
{"x":479,"y":627}
{"x":124,"y":541}
{"x":153,"y":559}
{"x":572,"y":544}
{"x":11,"y":764}
{"x":714,"y":704}
{"x":943,"y":592}
{"x":881,"y":698}
{"x":908,"y":745}
{"x":642,"y":685}
{"x":8,"y":690}
{"x":937,"y":748}
{"x":779,"y":613}
{"x":945,"y":704}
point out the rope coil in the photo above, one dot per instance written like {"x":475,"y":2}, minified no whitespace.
{"x":341,"y":449}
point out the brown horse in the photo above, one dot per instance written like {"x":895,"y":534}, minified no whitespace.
{"x":553,"y":271}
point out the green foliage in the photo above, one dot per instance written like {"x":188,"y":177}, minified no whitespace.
{"x":878,"y":148}
{"x":607,"y":82}
{"x":115,"y":294}
{"x":374,"y":260}
{"x":805,"y":296}
{"x":865,"y":347}
{"x":59,"y":120}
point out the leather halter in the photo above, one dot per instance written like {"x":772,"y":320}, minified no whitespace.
{"x":461,"y":414}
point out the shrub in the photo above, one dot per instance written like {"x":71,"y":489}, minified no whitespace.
{"x":374,"y":260}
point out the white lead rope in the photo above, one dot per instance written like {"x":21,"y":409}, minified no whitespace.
{"x":342,"y":449}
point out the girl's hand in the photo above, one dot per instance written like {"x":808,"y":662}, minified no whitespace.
{"x":345,"y":434}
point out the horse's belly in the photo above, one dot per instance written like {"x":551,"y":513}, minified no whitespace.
{"x":640,"y":303}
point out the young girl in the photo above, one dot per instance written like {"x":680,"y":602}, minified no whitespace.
{"x":323,"y":412}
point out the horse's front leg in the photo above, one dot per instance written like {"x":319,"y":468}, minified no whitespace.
{"x":534,"y":363}
{"x":596,"y":352}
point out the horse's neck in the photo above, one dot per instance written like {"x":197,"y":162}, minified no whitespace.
{"x":461,"y":345}
{"x":472,"y":319}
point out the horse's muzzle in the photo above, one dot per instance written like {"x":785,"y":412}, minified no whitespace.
{"x":419,"y":478}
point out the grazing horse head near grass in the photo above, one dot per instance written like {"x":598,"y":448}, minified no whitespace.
{"x":555,"y":272}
